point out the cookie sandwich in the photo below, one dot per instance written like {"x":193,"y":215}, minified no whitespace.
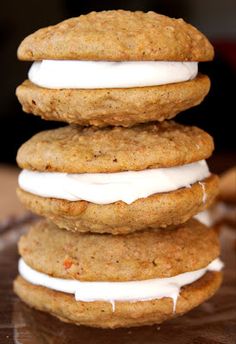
{"x":115,"y":68}
{"x":117,"y":180}
{"x":111,"y":281}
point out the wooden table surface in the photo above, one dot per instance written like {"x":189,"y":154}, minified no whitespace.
{"x":214,"y":322}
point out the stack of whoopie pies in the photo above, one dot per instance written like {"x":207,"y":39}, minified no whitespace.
{"x":119,"y":185}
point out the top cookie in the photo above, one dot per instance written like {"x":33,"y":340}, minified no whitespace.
{"x":118,"y":36}
{"x":135,"y":256}
{"x":74,"y":149}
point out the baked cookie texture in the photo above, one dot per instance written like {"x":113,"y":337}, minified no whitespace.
{"x":133,"y":257}
{"x":127,"y":314}
{"x":159,"y":210}
{"x":92,"y":257}
{"x":74,"y":149}
{"x":82,"y":252}
{"x":115,"y":36}
{"x":118,"y":36}
{"x":113,"y":106}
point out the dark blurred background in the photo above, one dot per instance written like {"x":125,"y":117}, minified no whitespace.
{"x":216,"y":18}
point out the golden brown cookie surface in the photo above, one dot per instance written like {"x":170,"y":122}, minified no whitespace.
{"x":113,"y":106}
{"x":158,"y":210}
{"x":127,"y":314}
{"x":75,"y":149}
{"x":118,"y":36}
{"x":137,"y":256}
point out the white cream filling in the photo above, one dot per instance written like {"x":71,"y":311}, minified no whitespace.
{"x":106,"y":188}
{"x":104,"y":74}
{"x":131,"y":291}
{"x":205,"y":218}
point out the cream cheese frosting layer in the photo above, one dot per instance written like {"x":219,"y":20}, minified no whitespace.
{"x":104,"y":74}
{"x":106,"y":188}
{"x":132,"y":291}
{"x":205,"y":218}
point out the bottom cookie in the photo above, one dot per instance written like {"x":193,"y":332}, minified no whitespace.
{"x":124,"y":314}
